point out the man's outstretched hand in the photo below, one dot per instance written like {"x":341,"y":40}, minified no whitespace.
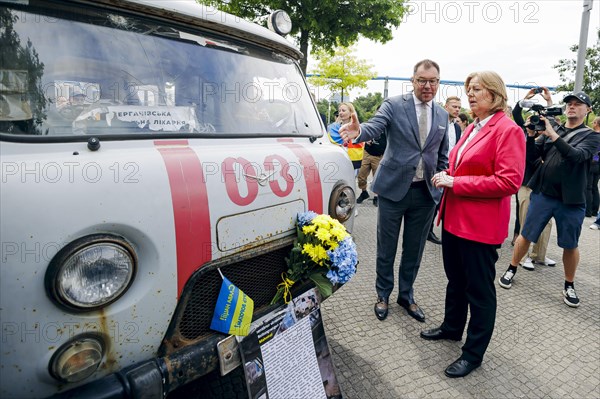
{"x":350,"y":131}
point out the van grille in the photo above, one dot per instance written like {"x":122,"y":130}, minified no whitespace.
{"x":257,"y":276}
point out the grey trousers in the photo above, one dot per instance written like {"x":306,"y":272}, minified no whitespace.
{"x":416,"y":210}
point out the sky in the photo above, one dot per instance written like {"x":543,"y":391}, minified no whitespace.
{"x":519,"y":39}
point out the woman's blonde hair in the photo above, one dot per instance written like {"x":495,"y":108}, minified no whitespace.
{"x":350,"y":107}
{"x":493,"y":83}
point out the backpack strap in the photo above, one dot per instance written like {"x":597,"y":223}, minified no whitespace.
{"x":569,"y":136}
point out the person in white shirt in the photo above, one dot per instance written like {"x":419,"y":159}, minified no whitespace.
{"x":454,"y":130}
{"x":452,"y":106}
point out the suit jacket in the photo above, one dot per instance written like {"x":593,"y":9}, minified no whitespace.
{"x":458,"y":131}
{"x":397,"y":116}
{"x":489,"y":171}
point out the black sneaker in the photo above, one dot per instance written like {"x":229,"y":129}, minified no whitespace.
{"x":570,"y":297}
{"x":363,"y":196}
{"x":375,"y":200}
{"x":506,"y":279}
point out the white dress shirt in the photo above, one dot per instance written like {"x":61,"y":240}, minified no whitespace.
{"x":478,"y":126}
{"x":451,"y":136}
{"x":418,"y":108}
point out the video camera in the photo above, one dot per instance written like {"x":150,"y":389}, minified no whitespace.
{"x":535,"y":123}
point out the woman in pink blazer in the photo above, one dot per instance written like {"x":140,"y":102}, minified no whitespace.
{"x":485,"y":168}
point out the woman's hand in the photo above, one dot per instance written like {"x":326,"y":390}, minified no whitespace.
{"x":442,"y":179}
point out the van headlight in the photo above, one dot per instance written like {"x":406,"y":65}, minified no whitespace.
{"x":91,"y":272}
{"x":342,"y":202}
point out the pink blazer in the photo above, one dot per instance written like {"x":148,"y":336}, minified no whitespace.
{"x":489,"y":171}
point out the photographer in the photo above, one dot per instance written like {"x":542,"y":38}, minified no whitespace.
{"x":538,"y":252}
{"x":558,"y":187}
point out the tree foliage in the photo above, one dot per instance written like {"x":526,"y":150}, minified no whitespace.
{"x":591,"y":72}
{"x":367,"y":105}
{"x":342,"y":71}
{"x":325,"y":23}
{"x":326,"y":108}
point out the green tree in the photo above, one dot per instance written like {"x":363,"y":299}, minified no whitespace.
{"x":367,"y":105}
{"x":341,"y":71}
{"x":591,"y":72}
{"x":328,"y":109}
{"x":325,"y":23}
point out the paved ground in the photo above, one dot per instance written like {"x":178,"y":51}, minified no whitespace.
{"x":540,"y":349}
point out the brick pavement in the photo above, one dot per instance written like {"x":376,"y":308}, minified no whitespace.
{"x":540,"y":349}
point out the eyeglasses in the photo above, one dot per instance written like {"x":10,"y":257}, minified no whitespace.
{"x":474,"y":90}
{"x":423,"y":82}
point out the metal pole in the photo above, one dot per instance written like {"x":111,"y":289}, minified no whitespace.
{"x":581,"y":53}
{"x":385,"y":88}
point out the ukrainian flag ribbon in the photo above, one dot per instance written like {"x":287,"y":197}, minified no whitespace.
{"x":233,"y":311}
{"x":285,"y":287}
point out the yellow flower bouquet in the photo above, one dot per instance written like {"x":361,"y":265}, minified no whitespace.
{"x":323,"y":252}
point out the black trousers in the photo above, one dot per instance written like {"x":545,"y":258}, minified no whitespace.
{"x":470,"y":269}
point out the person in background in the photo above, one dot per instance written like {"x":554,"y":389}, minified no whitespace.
{"x":486,"y":169}
{"x":463,"y":121}
{"x":509,"y":111}
{"x":558,"y":188}
{"x":592,"y":200}
{"x":453,"y":108}
{"x":596,"y":128}
{"x":596,"y":224}
{"x":355,"y":150}
{"x":538,"y":251}
{"x":417,"y":147}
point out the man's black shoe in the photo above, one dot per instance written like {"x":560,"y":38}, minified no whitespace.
{"x":431,"y":237}
{"x":363,"y":196}
{"x":375,"y":201}
{"x":413,"y":310}
{"x":460,"y":368}
{"x":436,"y":334}
{"x":381,"y":308}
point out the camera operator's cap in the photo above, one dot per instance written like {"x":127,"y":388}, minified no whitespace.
{"x":581,"y":96}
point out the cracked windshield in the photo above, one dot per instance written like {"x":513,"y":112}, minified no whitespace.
{"x":108,"y":74}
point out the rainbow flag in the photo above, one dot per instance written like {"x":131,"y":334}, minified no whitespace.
{"x":233,"y":312}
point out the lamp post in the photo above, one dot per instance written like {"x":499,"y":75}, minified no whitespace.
{"x":585,"y":24}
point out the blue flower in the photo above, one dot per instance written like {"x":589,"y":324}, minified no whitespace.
{"x":343,"y":262}
{"x":305,"y":218}
{"x":324,"y":268}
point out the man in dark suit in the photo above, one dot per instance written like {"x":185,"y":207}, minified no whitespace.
{"x":453,"y":108}
{"x":417,"y":148}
